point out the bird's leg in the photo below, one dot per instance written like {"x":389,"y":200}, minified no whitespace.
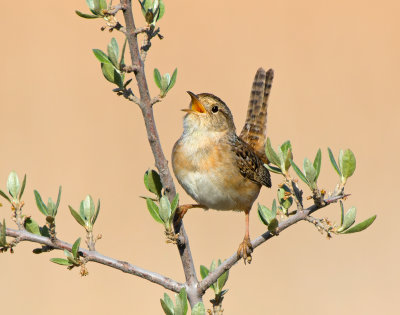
{"x":245,"y":249}
{"x":181,"y":211}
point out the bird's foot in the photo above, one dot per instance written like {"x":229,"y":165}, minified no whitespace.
{"x":245,"y":249}
{"x":181,"y":211}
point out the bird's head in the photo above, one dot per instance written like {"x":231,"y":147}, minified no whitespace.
{"x":208,"y":112}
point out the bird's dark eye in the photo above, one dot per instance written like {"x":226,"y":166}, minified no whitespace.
{"x":214,"y":109}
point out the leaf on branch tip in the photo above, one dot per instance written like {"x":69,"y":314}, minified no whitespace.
{"x":77,"y":216}
{"x":40,"y":204}
{"x":153,"y":209}
{"x":333,"y":162}
{"x":101,"y":56}
{"x":13,"y":185}
{"x":75,"y":248}
{"x":61,"y":261}
{"x":349,"y":219}
{"x":86,"y":16}
{"x":361,"y":226}
{"x":271,"y":154}
{"x":31,"y":226}
{"x":299,"y":172}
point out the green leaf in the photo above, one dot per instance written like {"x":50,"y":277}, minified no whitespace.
{"x":361,"y":226}
{"x":51,"y":207}
{"x":309,"y":171}
{"x":21,"y":192}
{"x":112,"y":74}
{"x":199,"y":309}
{"x":75,"y":248}
{"x":152,"y":181}
{"x":222,"y":280}
{"x":285,"y":203}
{"x":181,"y":304}
{"x":153,"y":209}
{"x":44,"y":231}
{"x":103,"y":4}
{"x":298,"y":172}
{"x":273,"y":225}
{"x":174,"y":206}
{"x":266,"y":215}
{"x":162,"y":10}
{"x":96,"y":214}
{"x":165,"y":80}
{"x":91,"y":5}
{"x":31,"y":226}
{"x":173,"y":80}
{"x":101,"y":56}
{"x":95,"y":6}
{"x":165,"y":209}
{"x":169,"y":302}
{"x":88,"y":208}
{"x":333,"y":161}
{"x":113,"y":52}
{"x":5,"y":196}
{"x":58,"y":200}
{"x":166,"y":309}
{"x":157,"y":78}
{"x":13,"y":185}
{"x":122,"y":61}
{"x":341,"y":213}
{"x":349,"y":219}
{"x":61,"y":261}
{"x":203,"y":271}
{"x":273,"y":169}
{"x":286,"y":149}
{"x":213,"y":266}
{"x":77,"y":216}
{"x":347,"y":163}
{"x":40,"y":204}
{"x":3,"y":232}
{"x":271,"y":154}
{"x":86,"y":16}
{"x":317,"y":164}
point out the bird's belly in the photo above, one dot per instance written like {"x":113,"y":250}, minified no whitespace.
{"x":220,"y":192}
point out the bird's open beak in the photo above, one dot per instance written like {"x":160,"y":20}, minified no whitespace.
{"x":195,"y":105}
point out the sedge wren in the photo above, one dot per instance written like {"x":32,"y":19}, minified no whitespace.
{"x":217,"y":168}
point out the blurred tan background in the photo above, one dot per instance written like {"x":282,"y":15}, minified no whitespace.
{"x":336,"y":84}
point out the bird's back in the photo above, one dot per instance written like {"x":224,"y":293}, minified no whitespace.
{"x":255,"y":127}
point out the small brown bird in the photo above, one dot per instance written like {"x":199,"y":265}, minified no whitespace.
{"x":217,"y":168}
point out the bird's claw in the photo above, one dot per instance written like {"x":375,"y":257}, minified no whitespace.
{"x":245,"y":249}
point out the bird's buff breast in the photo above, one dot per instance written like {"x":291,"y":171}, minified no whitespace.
{"x":206,"y":168}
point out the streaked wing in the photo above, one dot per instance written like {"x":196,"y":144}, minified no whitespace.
{"x":255,"y":127}
{"x":250,"y":164}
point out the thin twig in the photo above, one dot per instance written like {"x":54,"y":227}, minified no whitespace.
{"x":168,"y":283}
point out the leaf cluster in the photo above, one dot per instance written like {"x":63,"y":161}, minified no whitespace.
{"x":181,"y":305}
{"x":112,"y":63}
{"x":347,"y":220}
{"x":218,"y":285}
{"x":164,"y":212}
{"x":165,"y":82}
{"x":98,"y":8}
{"x":153,"y":10}
{"x":87,"y":214}
{"x":268,"y":216}
{"x":15,"y":189}
{"x":72,"y":257}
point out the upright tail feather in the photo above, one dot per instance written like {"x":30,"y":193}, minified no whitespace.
{"x":255,"y":127}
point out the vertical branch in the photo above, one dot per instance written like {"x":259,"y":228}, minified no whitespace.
{"x":161,"y":162}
